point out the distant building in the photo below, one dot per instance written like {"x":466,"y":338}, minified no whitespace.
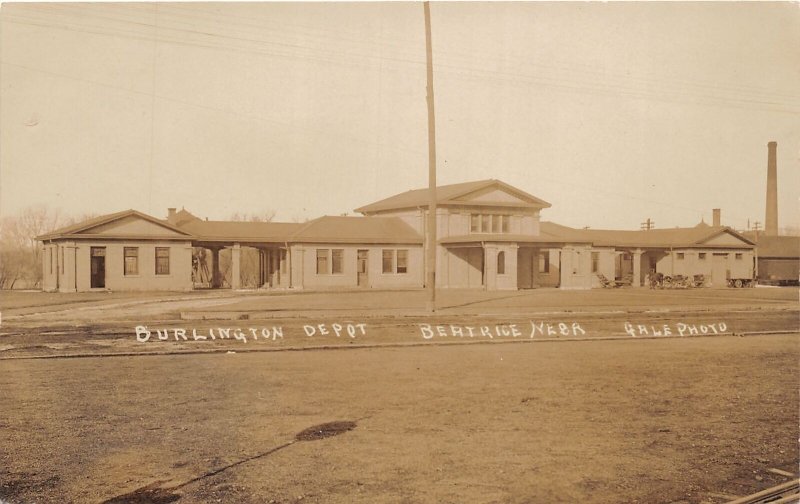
{"x":778,"y":258}
{"x":489,"y":236}
{"x":718,"y":253}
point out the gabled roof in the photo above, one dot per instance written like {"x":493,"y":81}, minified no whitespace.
{"x":653,"y":238}
{"x":325,"y":229}
{"x":778,"y":247}
{"x":368,"y":230}
{"x":449,"y":194}
{"x":74,"y":230}
{"x":541,"y":239}
{"x":242,"y":231}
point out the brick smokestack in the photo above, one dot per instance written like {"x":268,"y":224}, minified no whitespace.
{"x":771,"y":218}
{"x":717,"y":221}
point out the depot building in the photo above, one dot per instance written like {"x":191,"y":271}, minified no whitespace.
{"x":489,"y":236}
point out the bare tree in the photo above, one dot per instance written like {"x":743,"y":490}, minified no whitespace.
{"x":11,"y":257}
{"x":267,"y":216}
{"x":20,"y":253}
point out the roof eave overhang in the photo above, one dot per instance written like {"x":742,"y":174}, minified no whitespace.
{"x":340,"y":241}
{"x":651,"y":246}
{"x":451,"y":203}
{"x":494,"y":239}
{"x":241,"y":239}
{"x":86,"y":236}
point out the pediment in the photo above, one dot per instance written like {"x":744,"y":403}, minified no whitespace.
{"x":725,"y":238}
{"x":131,"y":225}
{"x":494,"y":194}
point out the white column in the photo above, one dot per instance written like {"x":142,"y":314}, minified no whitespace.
{"x":637,"y":268}
{"x":565,"y":260}
{"x":236,"y":275}
{"x":70,"y":282}
{"x":490,"y":267}
{"x":298,"y":280}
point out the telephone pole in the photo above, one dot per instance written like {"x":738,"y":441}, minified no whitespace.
{"x":430,"y":260}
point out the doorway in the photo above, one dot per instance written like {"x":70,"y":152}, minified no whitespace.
{"x":362,"y":267}
{"x":719,"y":270}
{"x":475,"y":267}
{"x":98,"y":273}
{"x":529,"y":264}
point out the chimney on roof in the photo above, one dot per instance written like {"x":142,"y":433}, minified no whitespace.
{"x":716,"y":222}
{"x":771,"y":220}
{"x":171,"y":215}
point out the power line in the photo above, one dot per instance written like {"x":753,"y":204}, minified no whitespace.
{"x":472,"y":55}
{"x":156,"y":38}
{"x":673,"y":96}
{"x":590,"y":190}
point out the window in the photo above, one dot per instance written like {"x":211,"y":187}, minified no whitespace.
{"x":402,"y":261}
{"x":701,"y":256}
{"x":595,"y":261}
{"x":336,"y":261}
{"x":680,"y":256}
{"x":544,"y":262}
{"x":322,"y":261}
{"x":501,"y":263}
{"x":739,"y":256}
{"x":395,"y":261}
{"x":131,"y":255}
{"x":162,"y":260}
{"x":489,"y":223}
{"x":329,"y":261}
{"x":388,"y":261}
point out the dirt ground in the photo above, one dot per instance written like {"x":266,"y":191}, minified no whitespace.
{"x":202,"y":336}
{"x":45,"y":308}
{"x":101,"y":323}
{"x":633,"y":421}
{"x":615,"y":412}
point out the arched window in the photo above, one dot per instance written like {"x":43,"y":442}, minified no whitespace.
{"x":501,"y":263}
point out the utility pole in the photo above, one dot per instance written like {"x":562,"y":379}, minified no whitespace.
{"x":430,"y":262}
{"x":756,"y":228}
{"x":647,"y":225}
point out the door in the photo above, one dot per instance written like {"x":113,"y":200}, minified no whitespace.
{"x":719,"y":270}
{"x":98,"y":273}
{"x":525,"y":278}
{"x":475,"y":267}
{"x":362,"y":267}
{"x":527,"y":268}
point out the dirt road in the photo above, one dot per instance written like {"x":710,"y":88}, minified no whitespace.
{"x":648,"y":421}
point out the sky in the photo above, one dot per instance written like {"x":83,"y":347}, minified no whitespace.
{"x":613,"y":113}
